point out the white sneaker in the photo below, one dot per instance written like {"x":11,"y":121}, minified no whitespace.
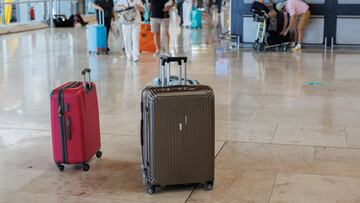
{"x":129,"y":58}
{"x":292,"y":45}
{"x":136,"y":60}
{"x":297,"y":48}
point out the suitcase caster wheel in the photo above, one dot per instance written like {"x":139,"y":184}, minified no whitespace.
{"x":86,"y":167}
{"x":98,"y":154}
{"x":209,"y":185}
{"x":60,"y":167}
{"x":151,"y":190}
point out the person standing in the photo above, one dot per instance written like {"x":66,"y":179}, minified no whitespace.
{"x":131,"y":30}
{"x":299,"y":18}
{"x":160,"y":17}
{"x":108,"y":7}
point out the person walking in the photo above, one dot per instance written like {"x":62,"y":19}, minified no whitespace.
{"x":108,"y":7}
{"x":131,"y":30}
{"x":160,"y":17}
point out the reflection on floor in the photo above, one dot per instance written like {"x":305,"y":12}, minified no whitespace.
{"x":279,"y":139}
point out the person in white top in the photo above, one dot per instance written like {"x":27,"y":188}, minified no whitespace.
{"x":131,"y":31}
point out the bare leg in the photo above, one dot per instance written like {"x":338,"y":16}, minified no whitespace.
{"x":167,"y":42}
{"x":296,"y":35}
{"x":300,"y":35}
{"x":286,"y":22}
{"x":157,"y":41}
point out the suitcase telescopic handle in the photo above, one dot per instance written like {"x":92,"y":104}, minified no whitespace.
{"x":87,"y":85}
{"x":101,"y":17}
{"x":165,"y":77}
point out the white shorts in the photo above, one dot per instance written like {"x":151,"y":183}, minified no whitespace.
{"x":157,"y":23}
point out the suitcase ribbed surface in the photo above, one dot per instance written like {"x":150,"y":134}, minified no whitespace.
{"x":180,"y":137}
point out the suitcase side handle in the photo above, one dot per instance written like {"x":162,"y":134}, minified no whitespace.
{"x":86,"y":85}
{"x":68,"y":128}
{"x":166,"y":60}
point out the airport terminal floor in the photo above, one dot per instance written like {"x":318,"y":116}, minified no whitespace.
{"x":287,"y":124}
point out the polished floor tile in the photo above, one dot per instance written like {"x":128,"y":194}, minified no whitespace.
{"x":261,"y":132}
{"x":310,"y":135}
{"x":337,"y":162}
{"x":233,"y":185}
{"x":268,"y":157}
{"x":295,"y":188}
{"x":353,"y":137}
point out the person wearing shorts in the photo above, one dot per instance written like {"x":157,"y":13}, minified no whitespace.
{"x":160,"y":17}
{"x":299,"y":18}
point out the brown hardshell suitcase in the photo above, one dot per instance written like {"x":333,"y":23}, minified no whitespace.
{"x":177,"y":133}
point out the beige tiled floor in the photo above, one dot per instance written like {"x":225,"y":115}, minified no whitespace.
{"x":278,"y":140}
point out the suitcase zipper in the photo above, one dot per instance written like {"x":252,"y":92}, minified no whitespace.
{"x":61,"y":109}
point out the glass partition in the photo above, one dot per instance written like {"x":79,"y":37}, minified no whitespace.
{"x":12,"y":11}
{"x":29,"y":11}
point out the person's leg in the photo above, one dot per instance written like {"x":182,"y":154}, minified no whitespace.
{"x":155,"y":29}
{"x":219,"y":4}
{"x":180,"y":12}
{"x":165,"y":23}
{"x":210,"y":5}
{"x":108,"y":27}
{"x":135,"y":42}
{"x":303,"y":21}
{"x":126,"y":29}
{"x":80,"y":19}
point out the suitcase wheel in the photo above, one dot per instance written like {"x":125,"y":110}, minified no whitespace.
{"x":151,"y":189}
{"x":98,"y":154}
{"x":85,"y":167}
{"x":60,"y":166}
{"x":209,"y":185}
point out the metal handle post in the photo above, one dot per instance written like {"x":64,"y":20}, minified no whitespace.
{"x":83,"y":73}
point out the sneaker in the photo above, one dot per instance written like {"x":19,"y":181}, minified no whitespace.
{"x":167,"y":54}
{"x":136,"y":60}
{"x":292,"y":45}
{"x":129,"y":58}
{"x":157,"y":53}
{"x":297,"y":48}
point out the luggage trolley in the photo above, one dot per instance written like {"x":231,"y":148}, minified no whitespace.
{"x":261,"y":43}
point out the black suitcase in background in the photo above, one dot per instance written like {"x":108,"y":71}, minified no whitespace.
{"x":177,"y":133}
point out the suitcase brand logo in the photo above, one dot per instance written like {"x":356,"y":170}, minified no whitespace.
{"x":181,"y":125}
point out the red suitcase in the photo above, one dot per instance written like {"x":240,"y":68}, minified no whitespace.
{"x":75,"y":123}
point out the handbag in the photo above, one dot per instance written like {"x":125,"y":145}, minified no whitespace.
{"x":127,"y":15}
{"x":115,"y":30}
